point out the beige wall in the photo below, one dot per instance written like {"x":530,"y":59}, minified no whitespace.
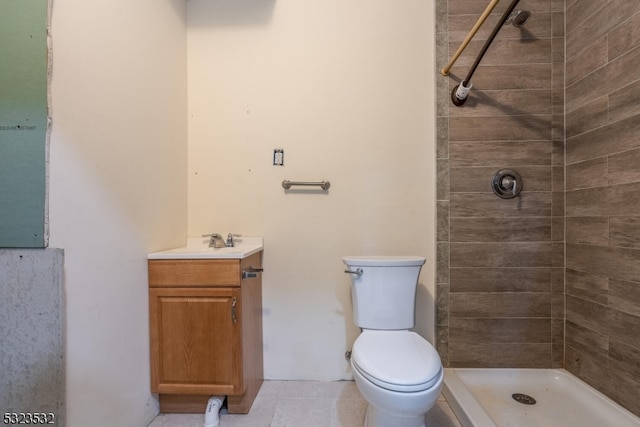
{"x":347,"y":90}
{"x":117,"y":190}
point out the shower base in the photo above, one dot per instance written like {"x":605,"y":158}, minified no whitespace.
{"x":483,"y":398}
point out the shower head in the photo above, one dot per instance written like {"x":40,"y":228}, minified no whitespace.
{"x":518,"y":18}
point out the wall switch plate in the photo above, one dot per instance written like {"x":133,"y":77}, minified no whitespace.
{"x":278,"y":157}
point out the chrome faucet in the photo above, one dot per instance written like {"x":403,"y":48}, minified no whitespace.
{"x":216,"y":240}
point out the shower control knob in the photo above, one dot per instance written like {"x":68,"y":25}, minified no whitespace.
{"x":506,"y":183}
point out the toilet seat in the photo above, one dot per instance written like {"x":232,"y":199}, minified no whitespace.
{"x":400,"y":361}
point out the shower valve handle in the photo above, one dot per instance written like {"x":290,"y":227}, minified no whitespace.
{"x":506,"y":183}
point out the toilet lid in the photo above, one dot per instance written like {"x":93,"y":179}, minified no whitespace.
{"x":396,"y":360}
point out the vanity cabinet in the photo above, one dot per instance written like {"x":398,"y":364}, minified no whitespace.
{"x":206,"y":332}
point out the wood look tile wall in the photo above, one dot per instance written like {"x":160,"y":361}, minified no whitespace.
{"x":501,"y":300}
{"x":551,"y":278}
{"x":603,"y":197}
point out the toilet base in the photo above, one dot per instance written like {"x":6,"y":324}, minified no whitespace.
{"x":377,"y":418}
{"x":388,"y":408}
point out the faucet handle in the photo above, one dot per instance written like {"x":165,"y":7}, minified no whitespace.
{"x":212,"y":235}
{"x":230,"y":237}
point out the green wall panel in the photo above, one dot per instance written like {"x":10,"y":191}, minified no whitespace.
{"x":23,"y":122}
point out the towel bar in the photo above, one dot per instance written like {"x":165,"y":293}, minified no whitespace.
{"x":286,"y":184}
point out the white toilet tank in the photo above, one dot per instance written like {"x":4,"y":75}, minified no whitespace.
{"x":383,"y":290}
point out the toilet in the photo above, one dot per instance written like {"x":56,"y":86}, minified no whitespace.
{"x":398,"y":372}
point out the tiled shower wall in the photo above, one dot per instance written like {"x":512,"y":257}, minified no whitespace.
{"x":500,"y":290}
{"x":603,"y":196}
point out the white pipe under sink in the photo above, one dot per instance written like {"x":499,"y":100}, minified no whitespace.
{"x":212,"y":413}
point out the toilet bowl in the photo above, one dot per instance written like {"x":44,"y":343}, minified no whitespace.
{"x":399,"y":374}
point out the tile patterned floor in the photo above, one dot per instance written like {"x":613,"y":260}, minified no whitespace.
{"x":303,"y":404}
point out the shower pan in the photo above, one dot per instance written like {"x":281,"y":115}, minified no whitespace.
{"x":529,"y":398}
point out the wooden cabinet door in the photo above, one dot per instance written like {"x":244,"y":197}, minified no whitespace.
{"x":196,"y":340}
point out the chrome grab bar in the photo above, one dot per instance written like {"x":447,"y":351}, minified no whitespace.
{"x":286,"y":184}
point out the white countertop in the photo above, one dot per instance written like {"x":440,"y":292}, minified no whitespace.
{"x":198,"y":248}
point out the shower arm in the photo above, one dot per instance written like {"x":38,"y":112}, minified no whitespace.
{"x":459,"y":93}
{"x":467,"y":40}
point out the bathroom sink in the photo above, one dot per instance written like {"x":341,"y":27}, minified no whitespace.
{"x":198,"y":248}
